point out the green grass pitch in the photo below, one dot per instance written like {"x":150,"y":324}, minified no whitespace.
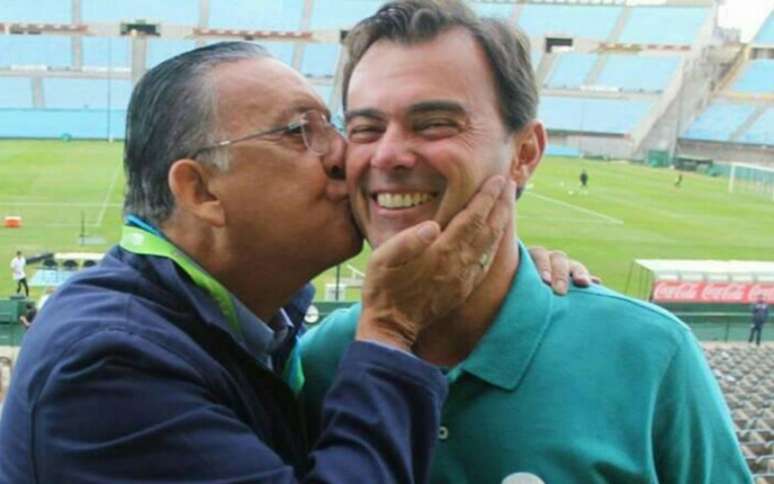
{"x":627,"y":212}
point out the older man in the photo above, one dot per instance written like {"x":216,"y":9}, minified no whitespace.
{"x":173,"y":360}
{"x":593,"y":387}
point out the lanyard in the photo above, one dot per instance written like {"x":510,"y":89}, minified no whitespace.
{"x":149,"y":241}
{"x":143,"y":242}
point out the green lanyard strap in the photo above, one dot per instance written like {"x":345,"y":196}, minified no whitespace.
{"x":143,"y":242}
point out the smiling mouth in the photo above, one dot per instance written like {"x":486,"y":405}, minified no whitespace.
{"x":394,"y":201}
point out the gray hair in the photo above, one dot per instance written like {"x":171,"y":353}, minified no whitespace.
{"x":416,"y":21}
{"x":171,"y":115}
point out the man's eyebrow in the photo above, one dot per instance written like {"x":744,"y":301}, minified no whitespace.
{"x":365,"y":112}
{"x":451,"y":107}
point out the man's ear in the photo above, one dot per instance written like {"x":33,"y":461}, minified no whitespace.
{"x":190,"y":183}
{"x":529,"y":145}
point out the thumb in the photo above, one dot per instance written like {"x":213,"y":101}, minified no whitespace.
{"x":406,"y":245}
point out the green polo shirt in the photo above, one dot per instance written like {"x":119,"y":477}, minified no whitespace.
{"x":592,"y":387}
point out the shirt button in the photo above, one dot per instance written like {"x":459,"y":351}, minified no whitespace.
{"x":443,"y":433}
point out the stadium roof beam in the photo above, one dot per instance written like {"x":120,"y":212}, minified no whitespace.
{"x":280,"y":35}
{"x":20,"y":28}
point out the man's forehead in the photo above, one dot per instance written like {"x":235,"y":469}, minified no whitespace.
{"x":265,"y":86}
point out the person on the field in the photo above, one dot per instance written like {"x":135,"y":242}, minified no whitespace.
{"x":18,"y":265}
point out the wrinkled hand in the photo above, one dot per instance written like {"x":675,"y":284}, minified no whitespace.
{"x":555,"y":268}
{"x":421,"y":274}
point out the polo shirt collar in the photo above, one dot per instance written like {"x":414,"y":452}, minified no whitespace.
{"x":504,"y":353}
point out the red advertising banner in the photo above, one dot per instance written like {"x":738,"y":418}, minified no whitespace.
{"x":712,"y":292}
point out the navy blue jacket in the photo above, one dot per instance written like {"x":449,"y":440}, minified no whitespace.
{"x":130,"y":374}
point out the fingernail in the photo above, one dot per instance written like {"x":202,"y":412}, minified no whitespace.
{"x":428,"y":231}
{"x":546,"y":276}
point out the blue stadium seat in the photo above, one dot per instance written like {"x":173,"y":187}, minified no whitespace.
{"x":570,"y":70}
{"x":339,"y":14}
{"x":495,"y":10}
{"x":589,"y":21}
{"x":766,"y":33}
{"x":559,"y":150}
{"x":49,"y":11}
{"x":15,"y":92}
{"x":53,"y":51}
{"x":160,"y":50}
{"x":256,"y":14}
{"x":758,"y":76}
{"x":56,"y":123}
{"x":761,"y":131}
{"x":638,"y":73}
{"x":86,"y":93}
{"x":104,"y":51}
{"x":664,"y":25}
{"x":719,"y":121}
{"x":320,"y":59}
{"x":179,"y":12}
{"x":617,"y":116}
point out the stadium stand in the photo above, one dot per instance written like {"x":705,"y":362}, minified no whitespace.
{"x":44,"y":51}
{"x":592,"y":114}
{"x":255,"y":14}
{"x":178,"y":12}
{"x":106,"y":52}
{"x":15,"y":92}
{"x":766,"y":33}
{"x":746,"y":377}
{"x":758,"y":77}
{"x":586,"y":21}
{"x":55,"y":11}
{"x":638,"y":73}
{"x":719,"y":121}
{"x":611,"y":74}
{"x":647,"y":25}
{"x":571,"y":70}
{"x":86,"y":93}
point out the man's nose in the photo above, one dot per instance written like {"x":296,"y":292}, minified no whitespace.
{"x":394,"y":150}
{"x":333,"y":162}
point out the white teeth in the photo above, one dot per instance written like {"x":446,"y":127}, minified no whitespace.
{"x":402,"y":200}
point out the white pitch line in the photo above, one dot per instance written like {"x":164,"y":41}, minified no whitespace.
{"x":107,"y":197}
{"x":610,"y":219}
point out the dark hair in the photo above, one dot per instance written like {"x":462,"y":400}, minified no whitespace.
{"x":171,"y":114}
{"x":416,"y":21}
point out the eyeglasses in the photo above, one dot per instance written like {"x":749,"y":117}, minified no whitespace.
{"x":316,"y":131}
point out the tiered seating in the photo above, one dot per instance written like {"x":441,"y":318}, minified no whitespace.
{"x":719,"y":121}
{"x":766,"y":33}
{"x":761,"y":131}
{"x":746,"y":376}
{"x":104,"y":52}
{"x":15,"y":92}
{"x":86,"y":93}
{"x":616,"y":116}
{"x":160,"y":50}
{"x":256,"y":14}
{"x":33,"y":50}
{"x":758,"y":77}
{"x":55,"y":123}
{"x":336,"y":14}
{"x":663,"y":25}
{"x":638,"y":73}
{"x":571,"y":70}
{"x":588,"y":21}
{"x":49,"y":11}
{"x":320,"y":59}
{"x":185,"y":12}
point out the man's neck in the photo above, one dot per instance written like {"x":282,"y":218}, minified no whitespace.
{"x":449,"y":341}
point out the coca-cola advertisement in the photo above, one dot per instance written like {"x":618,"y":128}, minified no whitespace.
{"x":712,"y":292}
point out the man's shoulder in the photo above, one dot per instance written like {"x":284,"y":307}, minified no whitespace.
{"x":610,"y":311}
